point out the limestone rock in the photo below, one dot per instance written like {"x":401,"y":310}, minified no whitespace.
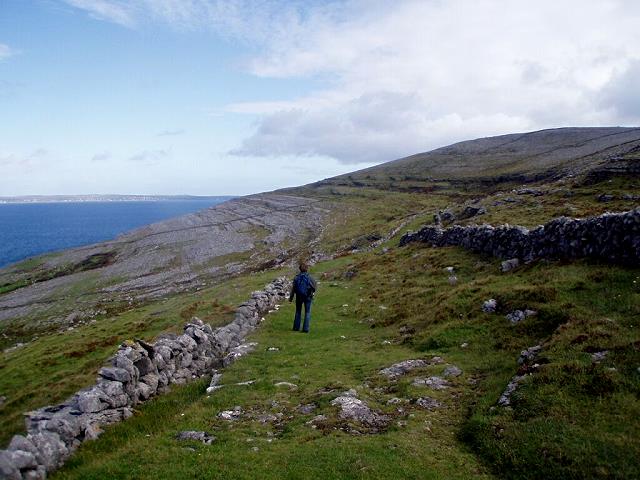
{"x":509,"y":265}
{"x":286,"y":384}
{"x":137,"y":372}
{"x":307,"y":408}
{"x":352,"y":408}
{"x":597,"y":357}
{"x":490,"y":306}
{"x":51,"y":450}
{"x":19,"y":442}
{"x":452,"y":371}
{"x":215,"y":379}
{"x":89,"y":402}
{"x":505,"y":398}
{"x":8,"y":469}
{"x":115,"y":373}
{"x":471,"y":211}
{"x":528,"y":355}
{"x":519,"y":315}
{"x":203,"y":437}
{"x":231,"y":415}
{"x":428,"y":403}
{"x":402,"y":368}
{"x":435,"y":383}
{"x":613,"y":237}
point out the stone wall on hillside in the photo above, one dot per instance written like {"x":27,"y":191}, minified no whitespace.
{"x":612,"y":237}
{"x":137,"y":372}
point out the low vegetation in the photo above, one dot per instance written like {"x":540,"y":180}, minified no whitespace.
{"x":573,"y":416}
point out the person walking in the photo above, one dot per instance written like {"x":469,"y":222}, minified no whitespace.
{"x":303,"y":288}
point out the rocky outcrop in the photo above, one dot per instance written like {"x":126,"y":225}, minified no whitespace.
{"x":137,"y":372}
{"x":526,"y":367}
{"x":354,"y":409}
{"x":613,"y":237}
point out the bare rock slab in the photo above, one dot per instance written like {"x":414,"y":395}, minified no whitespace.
{"x":434,"y":383}
{"x":352,"y":408}
{"x":428,"y":403}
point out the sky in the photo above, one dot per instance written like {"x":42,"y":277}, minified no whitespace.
{"x":214,"y":97}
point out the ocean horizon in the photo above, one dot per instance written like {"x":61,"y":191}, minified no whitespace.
{"x":32,"y":229}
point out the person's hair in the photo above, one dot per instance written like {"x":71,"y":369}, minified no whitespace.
{"x":303,"y":266}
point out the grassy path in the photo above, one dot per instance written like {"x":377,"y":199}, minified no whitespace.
{"x":342,"y":352}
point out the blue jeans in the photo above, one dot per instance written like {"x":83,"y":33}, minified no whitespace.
{"x":307,"y":313}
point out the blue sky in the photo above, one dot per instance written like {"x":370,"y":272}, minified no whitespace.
{"x":234,"y":97}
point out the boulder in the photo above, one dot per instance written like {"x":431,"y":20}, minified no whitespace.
{"x":165,"y":352}
{"x":145,"y":366}
{"x":23,"y":460}
{"x":509,"y":265}
{"x":452,"y":371}
{"x":51,"y":450}
{"x":8,"y":470}
{"x":39,"y":473}
{"x":151,"y":380}
{"x":137,"y":372}
{"x":144,"y":391}
{"x":184,"y":360}
{"x":352,"y":408}
{"x":471,"y":211}
{"x":115,"y":373}
{"x":402,"y":368}
{"x":91,"y":401}
{"x":19,"y":442}
{"x":187,"y":342}
{"x":489,"y":306}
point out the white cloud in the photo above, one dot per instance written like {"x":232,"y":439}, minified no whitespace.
{"x":622,"y":94}
{"x":150,"y":157}
{"x":24,"y":161}
{"x":6,"y":51}
{"x":120,"y":12}
{"x":406,"y":76}
{"x":420,"y":74}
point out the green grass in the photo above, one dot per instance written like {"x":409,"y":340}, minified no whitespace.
{"x":573,"y":420}
{"x":54,"y":366}
{"x":323,"y":360}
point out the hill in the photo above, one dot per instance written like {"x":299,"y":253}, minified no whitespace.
{"x":574,"y":414}
{"x":521,"y":157}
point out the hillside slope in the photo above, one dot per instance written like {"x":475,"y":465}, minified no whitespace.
{"x":517,"y":157}
{"x":74,"y":286}
{"x":573,"y":417}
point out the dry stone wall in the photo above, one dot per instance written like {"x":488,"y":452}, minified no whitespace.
{"x":613,"y":237}
{"x":137,"y":372}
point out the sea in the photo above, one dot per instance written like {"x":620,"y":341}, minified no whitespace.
{"x":29,"y":229}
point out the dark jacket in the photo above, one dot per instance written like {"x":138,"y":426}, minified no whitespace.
{"x":313,"y":284}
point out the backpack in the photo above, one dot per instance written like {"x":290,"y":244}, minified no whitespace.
{"x":303,"y":286}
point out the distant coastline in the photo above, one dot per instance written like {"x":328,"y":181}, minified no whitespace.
{"x":33,"y":225}
{"x":107,"y":198}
